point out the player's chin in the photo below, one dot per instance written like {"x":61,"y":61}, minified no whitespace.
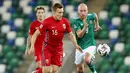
{"x":83,"y":16}
{"x":59,"y":18}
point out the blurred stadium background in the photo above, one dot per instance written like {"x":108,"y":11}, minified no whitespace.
{"x":114,"y":18}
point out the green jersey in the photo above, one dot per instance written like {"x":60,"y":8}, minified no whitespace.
{"x":88,"y":38}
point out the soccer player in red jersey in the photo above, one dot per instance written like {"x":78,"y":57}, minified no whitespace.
{"x":54,"y":28}
{"x":40,"y":13}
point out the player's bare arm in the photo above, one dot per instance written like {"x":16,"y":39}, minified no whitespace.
{"x":73,"y":39}
{"x":28,"y":44}
{"x":33,"y":40}
{"x":97,"y":26}
{"x":81,"y":33}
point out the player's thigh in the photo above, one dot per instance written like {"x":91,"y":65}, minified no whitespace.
{"x":55,"y":68}
{"x":38,"y":64}
{"x":35,"y":56}
{"x":78,"y":57}
{"x":89,"y":53}
{"x":46,"y":69}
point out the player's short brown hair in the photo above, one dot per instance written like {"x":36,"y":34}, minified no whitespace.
{"x":57,"y":5}
{"x":40,"y":7}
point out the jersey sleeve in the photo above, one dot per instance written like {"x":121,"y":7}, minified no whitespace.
{"x":68,"y":28}
{"x":75,"y":25}
{"x":92,"y":16}
{"x":31,"y":28}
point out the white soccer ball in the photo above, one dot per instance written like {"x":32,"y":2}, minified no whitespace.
{"x":103,"y":49}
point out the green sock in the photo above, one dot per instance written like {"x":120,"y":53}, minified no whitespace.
{"x":91,"y":67}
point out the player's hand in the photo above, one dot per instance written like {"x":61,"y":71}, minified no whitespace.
{"x":26,"y":52}
{"x":79,"y":48}
{"x":31,"y":50}
{"x":97,"y":28}
{"x":85,"y":22}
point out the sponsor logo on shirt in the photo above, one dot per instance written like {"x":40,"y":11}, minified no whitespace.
{"x":64,"y":26}
{"x":91,"y":22}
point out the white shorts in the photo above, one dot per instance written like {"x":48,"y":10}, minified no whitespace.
{"x":79,"y":56}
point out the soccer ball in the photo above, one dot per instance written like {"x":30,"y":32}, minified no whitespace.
{"x":103,"y":49}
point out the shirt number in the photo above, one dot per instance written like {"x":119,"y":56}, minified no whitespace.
{"x":54,"y":32}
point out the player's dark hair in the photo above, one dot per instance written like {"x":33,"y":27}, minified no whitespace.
{"x":57,"y":5}
{"x":40,"y":7}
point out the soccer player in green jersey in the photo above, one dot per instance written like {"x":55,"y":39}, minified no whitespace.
{"x":84,"y":28}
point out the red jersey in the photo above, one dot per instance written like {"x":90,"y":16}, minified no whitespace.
{"x":33,"y":27}
{"x":55,"y":30}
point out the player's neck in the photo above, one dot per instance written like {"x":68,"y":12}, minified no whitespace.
{"x":54,"y":17}
{"x":40,"y":20}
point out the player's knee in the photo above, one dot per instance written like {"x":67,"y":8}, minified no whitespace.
{"x":87,"y":58}
{"x":38,"y":64}
{"x":43,"y":70}
{"x":80,"y":68}
{"x":46,"y":69}
{"x":35,"y":58}
{"x":55,"y":69}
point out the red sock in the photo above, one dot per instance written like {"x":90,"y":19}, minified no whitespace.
{"x":38,"y":70}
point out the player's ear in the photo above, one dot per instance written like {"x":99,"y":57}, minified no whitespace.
{"x":78,"y":12}
{"x":53,"y":12}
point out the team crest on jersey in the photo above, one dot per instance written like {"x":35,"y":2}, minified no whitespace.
{"x":91,"y":22}
{"x":64,"y":26}
{"x":41,"y":26}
